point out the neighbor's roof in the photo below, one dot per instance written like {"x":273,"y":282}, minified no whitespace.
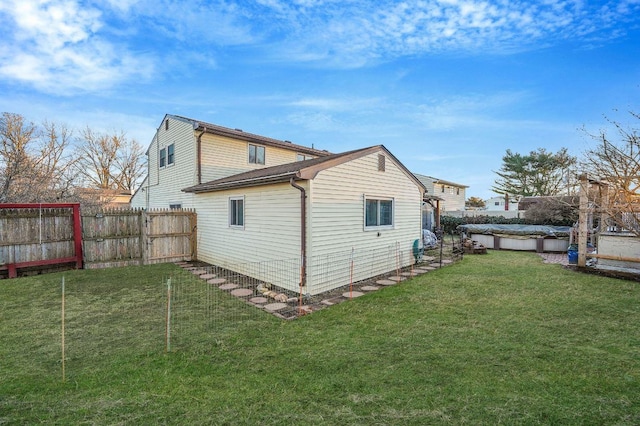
{"x":435,"y":181}
{"x":215,"y":129}
{"x":299,"y":170}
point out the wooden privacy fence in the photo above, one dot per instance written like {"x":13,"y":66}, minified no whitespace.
{"x":33,"y":236}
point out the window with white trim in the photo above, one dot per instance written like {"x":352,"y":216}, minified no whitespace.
{"x":170,"y":155}
{"x":163,"y":157}
{"x":378,"y":212}
{"x":236,"y":212}
{"x":256,"y":154}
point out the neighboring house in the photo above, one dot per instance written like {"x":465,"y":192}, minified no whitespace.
{"x":442,"y":196}
{"x":107,"y":198}
{"x":452,"y":194}
{"x":500,"y":204}
{"x":314,"y":213}
{"x":186,"y":152}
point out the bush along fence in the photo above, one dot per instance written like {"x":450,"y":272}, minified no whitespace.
{"x":40,"y":236}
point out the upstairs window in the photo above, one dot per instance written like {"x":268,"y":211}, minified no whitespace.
{"x":256,"y":154}
{"x":378,"y":212}
{"x":381,"y":163}
{"x":163,"y":157}
{"x":170,"y":156}
{"x":442,"y":188}
{"x":236,"y":212}
{"x":302,"y":157}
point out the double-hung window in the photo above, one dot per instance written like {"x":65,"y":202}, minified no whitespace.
{"x":378,"y":212}
{"x":170,"y":155}
{"x":163,"y":157}
{"x":256,"y":154}
{"x":236,"y":212}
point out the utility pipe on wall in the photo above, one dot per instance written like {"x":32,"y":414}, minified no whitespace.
{"x":303,"y":230}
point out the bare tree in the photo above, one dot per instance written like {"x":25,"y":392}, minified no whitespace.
{"x":109,"y":161}
{"x":34,"y":163}
{"x":616,"y":163}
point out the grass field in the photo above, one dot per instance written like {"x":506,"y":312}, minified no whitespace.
{"x":494,"y":339}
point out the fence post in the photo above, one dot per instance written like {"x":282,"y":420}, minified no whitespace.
{"x":168,"y":319}
{"x":62,"y":333}
{"x":144,"y":237}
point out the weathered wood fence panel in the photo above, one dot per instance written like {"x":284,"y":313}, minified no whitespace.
{"x":135,"y":237}
{"x":170,"y":236}
{"x":110,"y":238}
{"x":28,"y":235}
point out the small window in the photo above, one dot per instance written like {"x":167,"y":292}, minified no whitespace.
{"x":497,"y":203}
{"x":442,"y":188}
{"x":163,"y":157}
{"x":175,"y":206}
{"x":256,"y":154}
{"x":302,"y":157}
{"x":236,"y":212}
{"x":378,"y":212}
{"x":381,"y":163}
{"x":457,"y":191}
{"x":170,"y":156}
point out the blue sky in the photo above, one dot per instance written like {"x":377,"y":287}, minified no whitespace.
{"x":447,"y":86}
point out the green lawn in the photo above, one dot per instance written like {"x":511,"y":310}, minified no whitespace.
{"x":494,"y":339}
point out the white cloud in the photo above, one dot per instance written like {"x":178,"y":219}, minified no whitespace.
{"x":54,"y":46}
{"x":357,"y":33}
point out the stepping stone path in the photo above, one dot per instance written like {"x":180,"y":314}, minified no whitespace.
{"x":351,"y":294}
{"x":198,"y":272}
{"x":216,"y":281}
{"x":242,"y":292}
{"x":258,"y":300}
{"x":207,"y":276}
{"x":396,"y":278}
{"x":370,"y":288}
{"x":435,"y":265}
{"x":272,"y":307}
{"x":409,"y":274}
{"x":386,"y":282}
{"x":422,"y":270}
{"x":228,"y":286}
{"x":428,"y":258}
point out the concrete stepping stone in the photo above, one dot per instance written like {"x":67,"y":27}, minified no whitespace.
{"x":428,"y":258}
{"x":434,"y":265}
{"x":207,"y":276}
{"x":351,"y":294}
{"x":272,"y":307}
{"x":396,"y":278}
{"x":447,"y":261}
{"x":241,"y":292}
{"x":422,"y":270}
{"x":386,"y":282}
{"x":198,"y":271}
{"x":216,"y":281}
{"x":409,"y":274}
{"x":228,"y":286}
{"x":258,"y":300}
{"x":369,"y":288}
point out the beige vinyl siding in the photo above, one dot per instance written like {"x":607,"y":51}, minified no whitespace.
{"x":164,"y":185}
{"x":337,"y":219}
{"x":271,"y":233}
{"x":453,"y":197}
{"x":223,"y":156}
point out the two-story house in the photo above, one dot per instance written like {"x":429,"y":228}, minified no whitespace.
{"x":449,"y":197}
{"x":263,"y":201}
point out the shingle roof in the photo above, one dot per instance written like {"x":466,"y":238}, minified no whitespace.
{"x":250,"y":137}
{"x":299,"y":170}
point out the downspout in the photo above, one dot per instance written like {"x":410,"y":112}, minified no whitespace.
{"x":303,"y":231}
{"x":199,"y":153}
